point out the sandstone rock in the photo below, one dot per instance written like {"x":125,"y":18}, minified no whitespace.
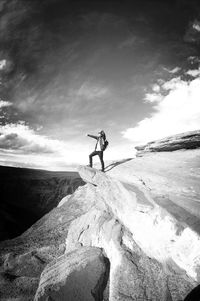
{"x":194,"y":294}
{"x":172,"y":179}
{"x":189,"y":140}
{"x":147,"y":226}
{"x":133,"y":275}
{"x":25,"y":257}
{"x":139,"y":215}
{"x":79,"y":275}
{"x":64,"y":200}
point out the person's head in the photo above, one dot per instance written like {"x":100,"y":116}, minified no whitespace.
{"x":101,"y":133}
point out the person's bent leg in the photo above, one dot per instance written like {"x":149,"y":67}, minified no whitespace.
{"x":101,"y":159}
{"x":90,"y":157}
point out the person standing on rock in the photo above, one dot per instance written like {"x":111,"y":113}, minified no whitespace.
{"x":101,"y":144}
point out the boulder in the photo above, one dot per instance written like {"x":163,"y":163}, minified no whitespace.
{"x":79,"y":275}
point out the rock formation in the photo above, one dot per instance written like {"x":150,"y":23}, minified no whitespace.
{"x":132,"y":233}
{"x":189,"y":140}
{"x":28,"y":194}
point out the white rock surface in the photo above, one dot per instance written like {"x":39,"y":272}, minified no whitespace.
{"x":141,"y":218}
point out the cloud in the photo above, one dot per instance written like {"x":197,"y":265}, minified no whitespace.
{"x":177,"y":112}
{"x":196,"y":25}
{"x":21,"y":146}
{"x":5,"y":103}
{"x":174,"y":70}
{"x":2,"y":64}
{"x":194,"y":73}
{"x":19,"y":137}
{"x":153,"y":97}
{"x":173,"y":84}
{"x":156,"y":88}
{"x":91,"y":91}
{"x":129,"y":42}
{"x":192,"y":34}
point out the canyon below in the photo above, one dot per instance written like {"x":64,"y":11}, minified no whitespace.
{"x":131,"y":233}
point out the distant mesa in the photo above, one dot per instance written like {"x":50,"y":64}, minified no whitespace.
{"x":188,"y":140}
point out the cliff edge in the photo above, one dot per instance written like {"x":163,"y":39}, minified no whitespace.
{"x":132,"y":233}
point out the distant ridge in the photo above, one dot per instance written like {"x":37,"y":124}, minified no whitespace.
{"x":188,"y":140}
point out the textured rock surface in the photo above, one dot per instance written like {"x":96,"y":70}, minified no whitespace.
{"x":189,"y":140}
{"x":172,"y":179}
{"x":140,"y":221}
{"x":39,"y":245}
{"x":79,"y":275}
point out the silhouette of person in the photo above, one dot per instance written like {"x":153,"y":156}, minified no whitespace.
{"x":99,"y":148}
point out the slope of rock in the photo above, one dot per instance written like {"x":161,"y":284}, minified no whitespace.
{"x":78,"y":275}
{"x":189,"y":140}
{"x":129,"y":234}
{"x":144,"y":244}
{"x":23,"y":259}
{"x":172,"y":179}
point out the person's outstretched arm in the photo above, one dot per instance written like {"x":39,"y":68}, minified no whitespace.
{"x":92,"y":136}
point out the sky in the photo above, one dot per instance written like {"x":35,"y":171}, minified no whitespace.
{"x":68,"y":68}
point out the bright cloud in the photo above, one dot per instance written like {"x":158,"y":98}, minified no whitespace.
{"x":177,"y":112}
{"x":4,"y":103}
{"x":173,"y":84}
{"x":153,"y":97}
{"x":24,"y":139}
{"x":156,"y":88}
{"x":196,"y":25}
{"x":21,"y":145}
{"x":2,"y":64}
{"x":194,"y":73}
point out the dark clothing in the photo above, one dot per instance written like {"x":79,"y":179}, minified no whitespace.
{"x":100,"y":154}
{"x":100,"y":142}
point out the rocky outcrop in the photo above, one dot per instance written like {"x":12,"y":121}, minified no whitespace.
{"x":145,"y":245}
{"x":130,"y":234}
{"x":79,"y":275}
{"x":189,"y":140}
{"x":24,"y":258}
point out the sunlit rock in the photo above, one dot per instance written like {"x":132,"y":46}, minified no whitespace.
{"x":189,"y":140}
{"x":141,"y":218}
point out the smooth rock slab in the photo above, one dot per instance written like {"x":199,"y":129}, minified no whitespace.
{"x":188,"y":140}
{"x":80,"y":275}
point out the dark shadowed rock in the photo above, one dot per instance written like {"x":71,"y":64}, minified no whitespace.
{"x":28,"y":194}
{"x":189,"y":140}
{"x":194,"y":295}
{"x":79,"y":275}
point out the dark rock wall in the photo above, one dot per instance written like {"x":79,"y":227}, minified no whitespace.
{"x":27,"y":194}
